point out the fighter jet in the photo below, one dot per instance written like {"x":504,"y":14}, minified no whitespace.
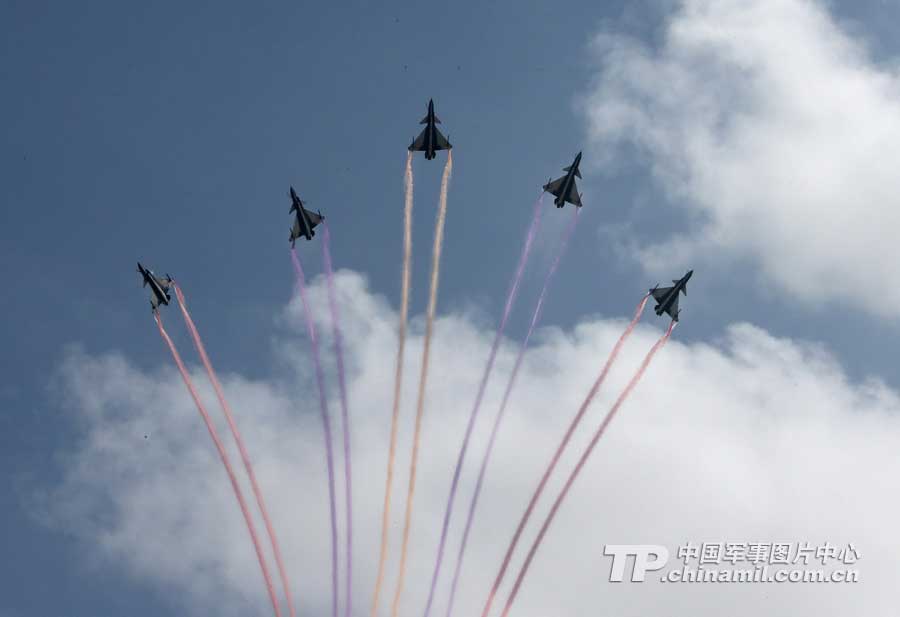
{"x":430,"y":139}
{"x":564,"y":188}
{"x":667,"y":297}
{"x":305,"y":221}
{"x":158,"y":286}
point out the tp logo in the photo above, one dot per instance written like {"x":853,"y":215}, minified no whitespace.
{"x":642,"y":561}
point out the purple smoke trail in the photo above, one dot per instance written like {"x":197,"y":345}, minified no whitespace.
{"x":326,"y":423}
{"x":510,"y":300}
{"x":345,"y":418}
{"x":559,"y":450}
{"x":584,"y":456}
{"x":567,"y":235}
{"x":220,"y":448}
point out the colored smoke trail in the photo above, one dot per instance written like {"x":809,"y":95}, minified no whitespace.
{"x":584,"y":456}
{"x":398,"y":376}
{"x":326,"y":424}
{"x":510,"y":300}
{"x":245,"y":457}
{"x":423,"y":377}
{"x":498,"y":419}
{"x":559,"y":450}
{"x":345,"y":416}
{"x":224,"y":456}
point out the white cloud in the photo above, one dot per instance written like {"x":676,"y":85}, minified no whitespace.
{"x":751,"y":439}
{"x":776,"y":132}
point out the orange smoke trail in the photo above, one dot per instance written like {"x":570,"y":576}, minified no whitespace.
{"x":245,"y":457}
{"x":398,"y":375}
{"x":224,"y":456}
{"x":559,"y":450}
{"x":587,"y":452}
{"x":423,"y":377}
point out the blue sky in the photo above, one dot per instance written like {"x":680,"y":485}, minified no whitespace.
{"x":170,"y":134}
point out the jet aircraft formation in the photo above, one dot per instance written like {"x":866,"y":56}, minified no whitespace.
{"x":431,"y":140}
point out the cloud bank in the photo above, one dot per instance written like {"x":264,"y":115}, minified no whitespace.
{"x":778,"y":135}
{"x":752,"y":438}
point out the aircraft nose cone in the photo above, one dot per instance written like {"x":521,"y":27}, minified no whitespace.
{"x":689,"y":274}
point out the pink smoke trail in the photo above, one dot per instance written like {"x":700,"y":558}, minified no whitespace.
{"x":510,"y":300}
{"x":567,"y":234}
{"x":559,"y":450}
{"x":398,"y":376}
{"x":224,"y":456}
{"x":584,"y":456}
{"x":345,"y":417}
{"x":245,"y":457}
{"x":326,"y":424}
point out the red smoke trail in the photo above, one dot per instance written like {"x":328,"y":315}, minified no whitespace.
{"x":567,"y":234}
{"x":398,"y":376}
{"x":559,"y":450}
{"x":587,"y":452}
{"x":222,"y":454}
{"x":345,"y":417}
{"x":245,"y":457}
{"x":326,"y":424}
{"x":510,"y":300}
